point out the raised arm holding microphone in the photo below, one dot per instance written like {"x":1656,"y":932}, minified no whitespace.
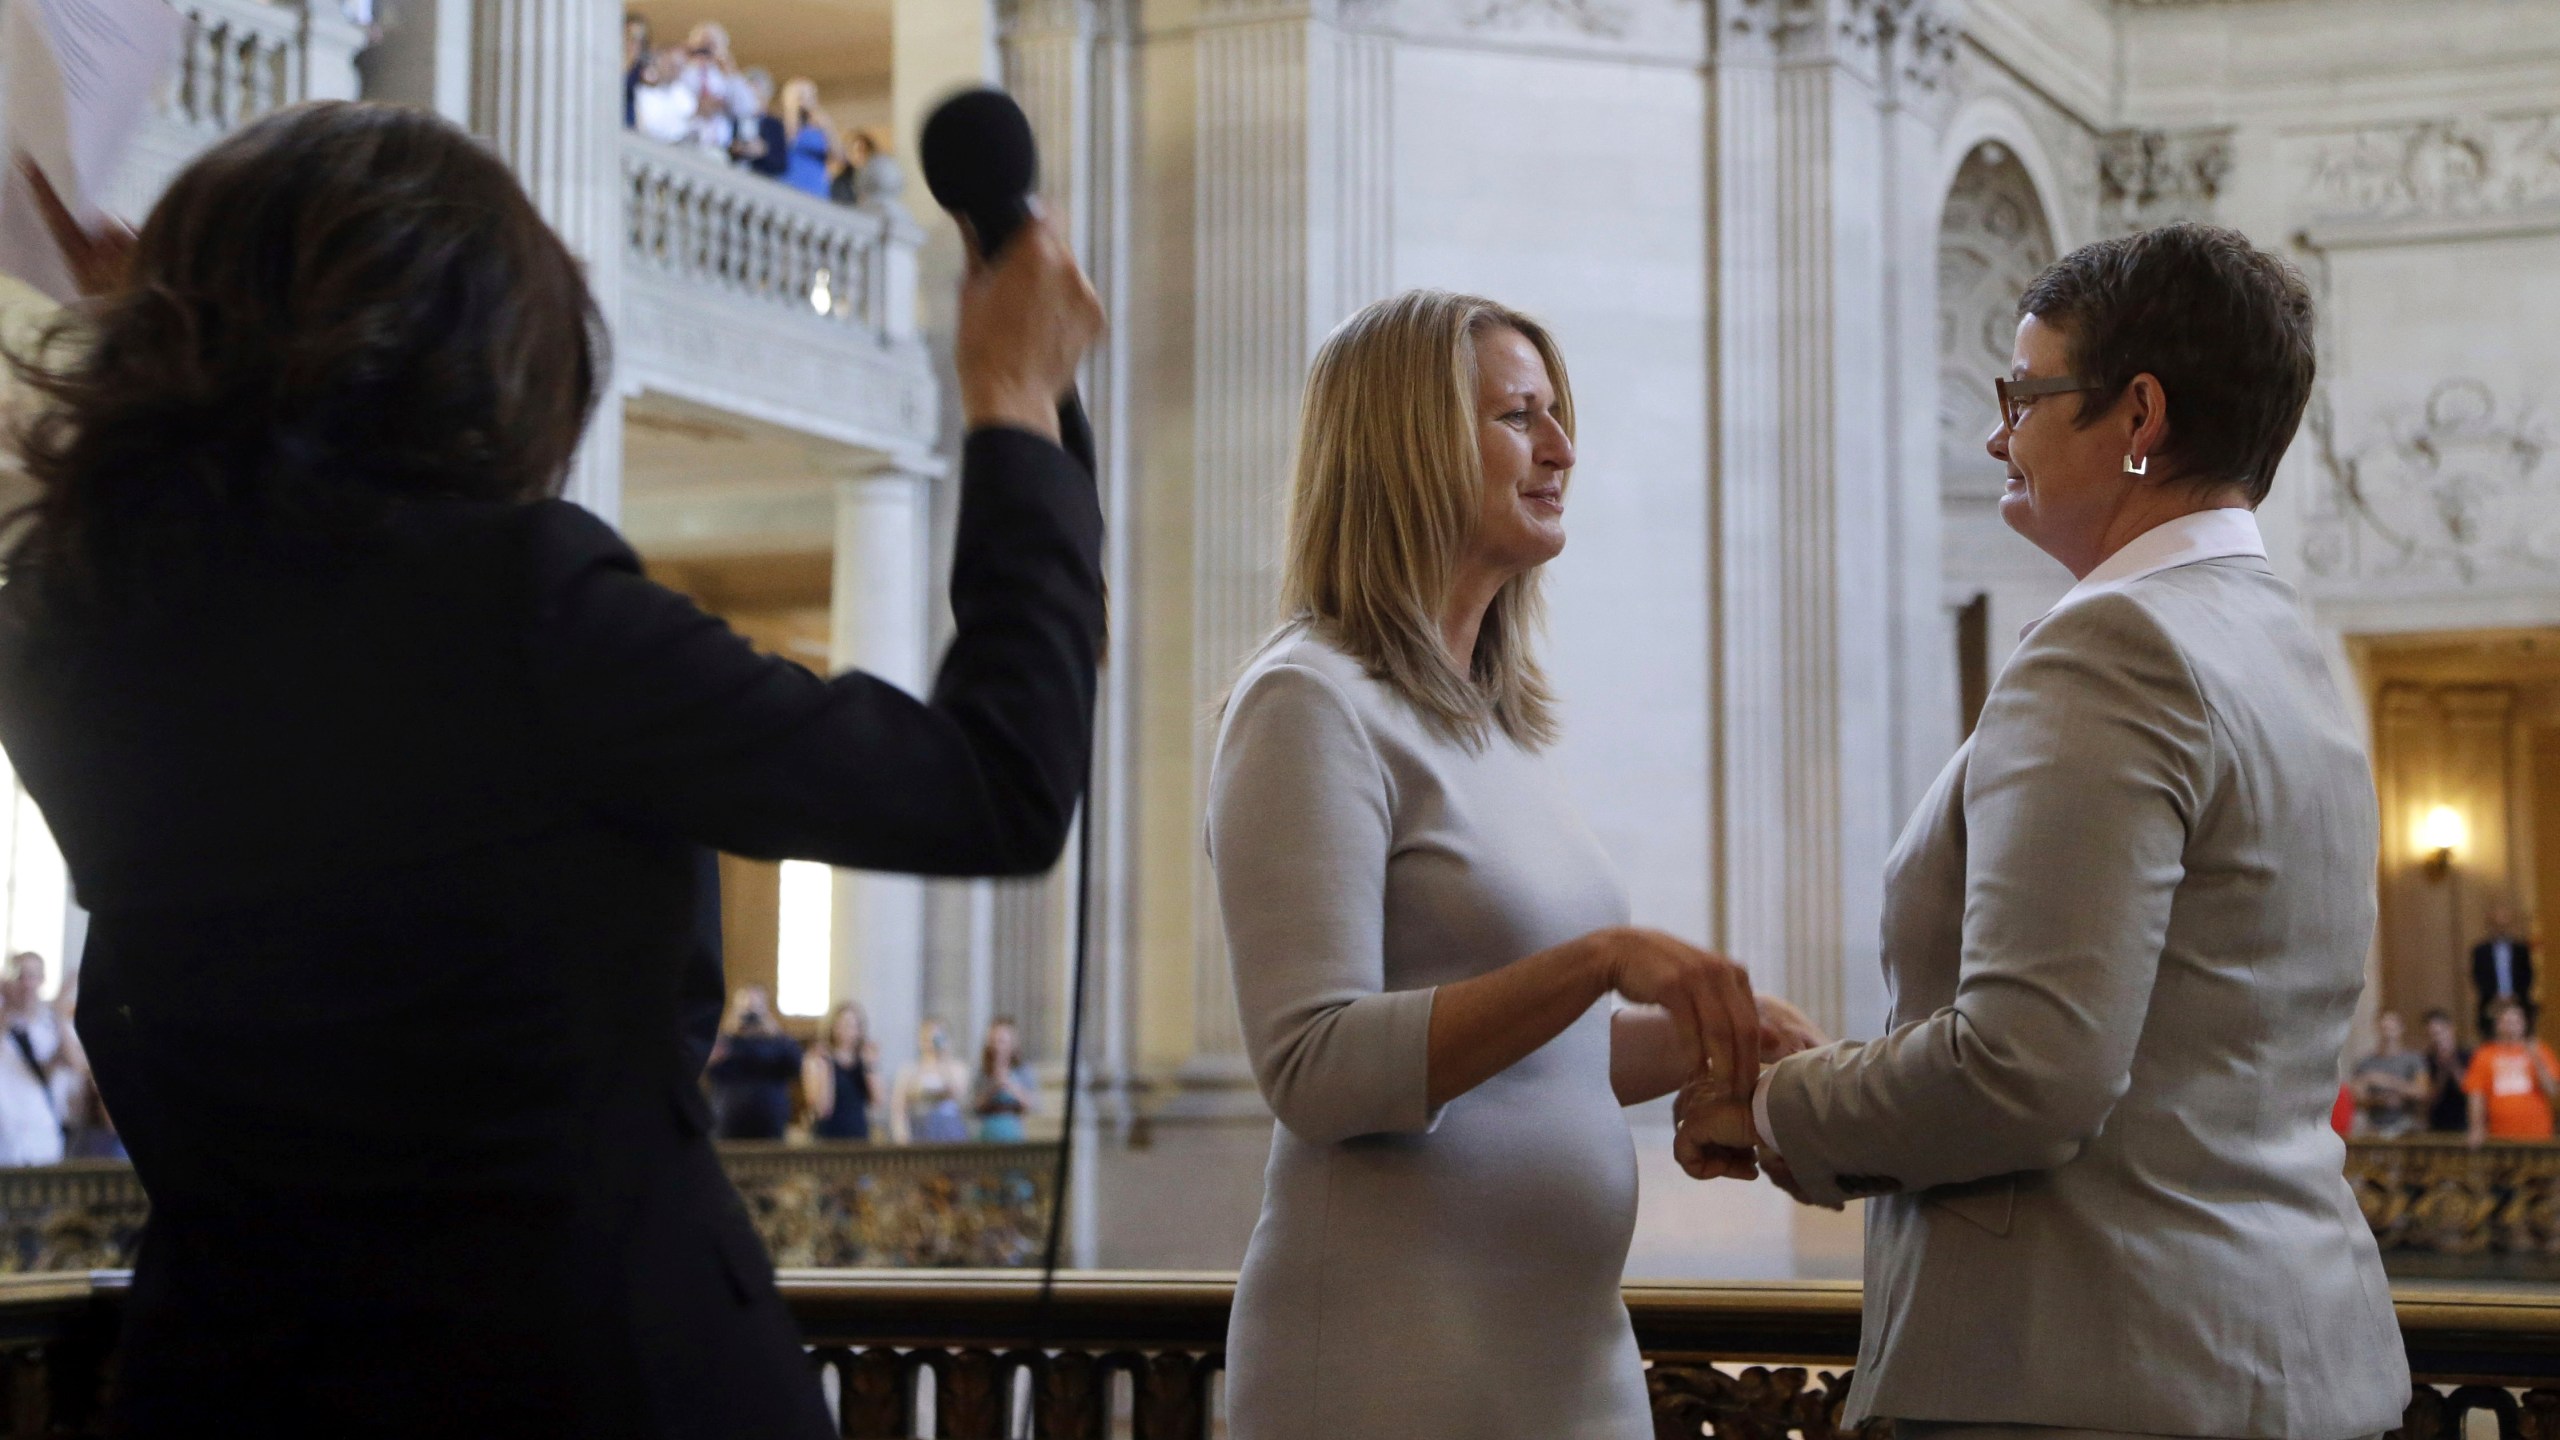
{"x":382,"y":773}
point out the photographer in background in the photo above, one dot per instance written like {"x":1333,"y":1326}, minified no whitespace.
{"x":751,"y":1070}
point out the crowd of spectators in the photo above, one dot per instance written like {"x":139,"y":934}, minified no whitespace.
{"x":696,"y":94}
{"x":2504,"y":1090}
{"x":765,"y":1085}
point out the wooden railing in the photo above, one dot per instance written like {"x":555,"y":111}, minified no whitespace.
{"x":972,"y":1356}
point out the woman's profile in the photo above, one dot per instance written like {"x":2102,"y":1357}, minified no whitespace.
{"x":1425,"y":934}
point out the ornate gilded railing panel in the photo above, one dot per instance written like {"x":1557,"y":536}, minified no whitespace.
{"x":2436,"y":1197}
{"x":981,"y":1206}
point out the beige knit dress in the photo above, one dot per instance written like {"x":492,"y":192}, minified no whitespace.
{"x":1414,"y":1275}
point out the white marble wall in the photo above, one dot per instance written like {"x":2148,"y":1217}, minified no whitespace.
{"x":547,"y":93}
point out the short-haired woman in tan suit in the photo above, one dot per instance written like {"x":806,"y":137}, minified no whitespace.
{"x":1425,"y":934}
{"x":2125,"y":930}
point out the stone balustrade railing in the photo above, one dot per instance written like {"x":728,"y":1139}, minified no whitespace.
{"x":708,"y":223}
{"x":969,"y":1354}
{"x":240,"y":59}
{"x":744,"y":294}
{"x":243,"y":58}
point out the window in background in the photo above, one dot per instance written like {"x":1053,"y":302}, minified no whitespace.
{"x":35,"y":889}
{"x":804,"y":951}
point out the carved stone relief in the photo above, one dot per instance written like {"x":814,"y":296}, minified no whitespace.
{"x":2457,"y":486}
{"x":2156,"y":177}
{"x":1609,"y":19}
{"x":1636,"y":28}
{"x":2449,"y":169}
{"x":1991,"y":242}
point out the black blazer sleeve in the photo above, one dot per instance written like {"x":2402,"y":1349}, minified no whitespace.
{"x":664,"y":717}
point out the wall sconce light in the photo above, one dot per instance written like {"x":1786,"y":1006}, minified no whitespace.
{"x":2439,"y":835}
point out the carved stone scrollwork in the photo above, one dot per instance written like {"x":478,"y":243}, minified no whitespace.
{"x":2435,"y":170}
{"x":1649,"y":28}
{"x":1992,"y":241}
{"x":2155,"y":177}
{"x":1608,"y":19}
{"x":1848,"y":30}
{"x":1925,"y":55}
{"x":1758,"y":1403}
{"x":2460,"y":486}
{"x":1034,"y":17}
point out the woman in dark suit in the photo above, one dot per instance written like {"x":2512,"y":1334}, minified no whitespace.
{"x":384,"y":774}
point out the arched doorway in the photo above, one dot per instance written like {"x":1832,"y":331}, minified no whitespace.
{"x":1993,"y":238}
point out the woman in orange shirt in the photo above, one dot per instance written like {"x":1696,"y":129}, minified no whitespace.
{"x":2513,"y":1082}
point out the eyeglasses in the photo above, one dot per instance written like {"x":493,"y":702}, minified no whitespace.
{"x":2014,"y":393}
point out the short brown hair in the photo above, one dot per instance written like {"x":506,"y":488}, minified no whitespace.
{"x":337,"y":308}
{"x":2225,"y":327}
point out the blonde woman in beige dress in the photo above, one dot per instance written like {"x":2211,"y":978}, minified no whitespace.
{"x":1425,"y":934}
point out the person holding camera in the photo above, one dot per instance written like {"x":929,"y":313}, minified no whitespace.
{"x":751,"y":1070}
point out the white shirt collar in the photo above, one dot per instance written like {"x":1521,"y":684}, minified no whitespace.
{"x":2204,"y":535}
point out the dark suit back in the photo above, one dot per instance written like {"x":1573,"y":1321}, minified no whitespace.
{"x":2484,"y":982}
{"x":392,"y":869}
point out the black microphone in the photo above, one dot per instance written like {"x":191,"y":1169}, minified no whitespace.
{"x":981,"y":163}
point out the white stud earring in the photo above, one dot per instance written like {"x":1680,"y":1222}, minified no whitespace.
{"x":2137,"y":467}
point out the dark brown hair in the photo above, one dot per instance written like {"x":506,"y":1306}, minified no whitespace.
{"x":2223,"y":326}
{"x":987,"y":1046}
{"x":337,"y":308}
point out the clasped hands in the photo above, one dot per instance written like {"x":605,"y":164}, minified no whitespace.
{"x":1714,"y":1136}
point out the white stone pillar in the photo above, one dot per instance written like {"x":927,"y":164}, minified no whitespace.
{"x":1046,"y":47}
{"x":547,"y":95}
{"x":1069,"y":63}
{"x":1292,"y":184}
{"x":938,"y":46}
{"x":1750,"y":838}
{"x":423,"y":58}
{"x":329,"y":48}
{"x":1920,"y":57}
{"x":879,"y":625}
{"x":1815,"y":307}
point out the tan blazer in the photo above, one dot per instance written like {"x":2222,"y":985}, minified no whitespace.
{"x":2124,"y":934}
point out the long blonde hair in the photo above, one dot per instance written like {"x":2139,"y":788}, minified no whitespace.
{"x":1389,"y":487}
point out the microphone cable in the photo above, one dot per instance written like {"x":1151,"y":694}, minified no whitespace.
{"x":1075,"y":434}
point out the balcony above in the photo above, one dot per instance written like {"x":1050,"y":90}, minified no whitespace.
{"x":747,"y":296}
{"x":241,"y":59}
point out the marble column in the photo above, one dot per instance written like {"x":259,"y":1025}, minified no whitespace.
{"x":547,"y":95}
{"x":1045,"y":48}
{"x":1290,"y":201}
{"x":879,"y":625}
{"x":1823,"y":274}
{"x":1926,"y":710}
{"x":1069,"y":63}
{"x":423,"y":58}
{"x":938,"y":46}
{"x":1751,"y":781}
